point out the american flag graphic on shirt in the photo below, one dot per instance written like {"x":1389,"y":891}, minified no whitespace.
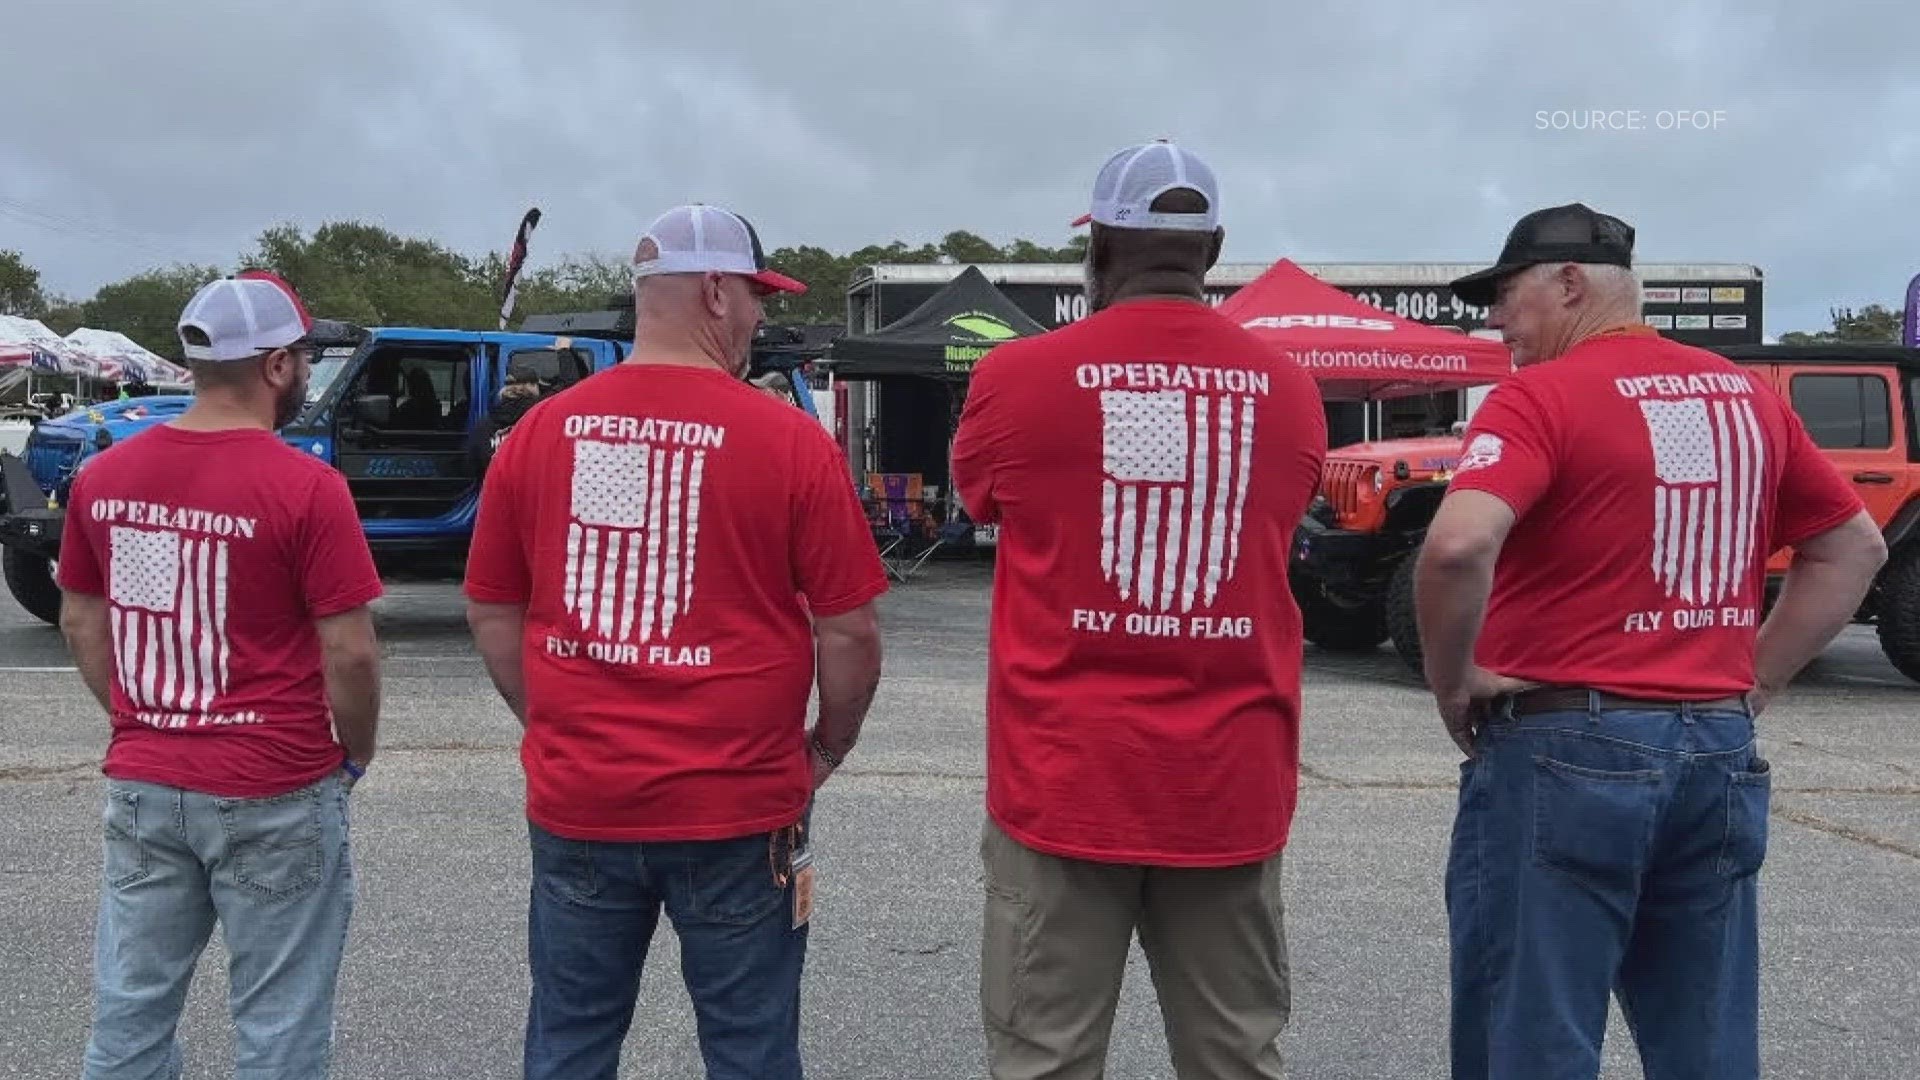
{"x":167,"y":604}
{"x":632,"y":537}
{"x":1173,"y":494}
{"x":1710,"y":460}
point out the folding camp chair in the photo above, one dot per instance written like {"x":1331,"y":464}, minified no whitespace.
{"x":896,"y":516}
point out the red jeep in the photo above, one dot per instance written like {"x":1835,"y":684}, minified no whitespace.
{"x":1353,"y":557}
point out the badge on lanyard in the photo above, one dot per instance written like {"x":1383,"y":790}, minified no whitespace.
{"x":802,"y":887}
{"x":793,"y":866}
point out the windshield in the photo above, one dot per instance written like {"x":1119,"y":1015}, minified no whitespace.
{"x":326,"y":368}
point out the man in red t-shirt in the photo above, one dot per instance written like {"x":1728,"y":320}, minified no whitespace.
{"x":662,"y":552}
{"x":1147,"y":467}
{"x":216,"y":586}
{"x":1612,"y":516}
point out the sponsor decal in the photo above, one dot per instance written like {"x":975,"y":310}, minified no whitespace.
{"x":1483,"y":451}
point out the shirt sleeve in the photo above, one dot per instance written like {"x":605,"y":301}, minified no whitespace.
{"x":79,"y":570}
{"x":1813,"y":496}
{"x":336,"y":568}
{"x":497,"y":568}
{"x":976,"y":443}
{"x":1507,"y":454}
{"x":836,"y":565}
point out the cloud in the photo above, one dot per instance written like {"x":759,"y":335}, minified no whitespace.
{"x":1392,"y":131}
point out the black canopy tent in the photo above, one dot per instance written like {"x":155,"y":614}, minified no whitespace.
{"x":921,"y":363}
{"x":940,"y":339}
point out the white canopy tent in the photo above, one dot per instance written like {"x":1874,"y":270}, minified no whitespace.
{"x":121,"y":358}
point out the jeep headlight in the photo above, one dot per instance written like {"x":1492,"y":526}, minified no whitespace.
{"x":1379,"y":481}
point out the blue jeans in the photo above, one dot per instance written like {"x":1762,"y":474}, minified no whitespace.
{"x":1608,"y":851}
{"x":275,"y":873}
{"x":591,"y":916}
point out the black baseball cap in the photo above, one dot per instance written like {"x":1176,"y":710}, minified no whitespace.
{"x":1573,"y":233}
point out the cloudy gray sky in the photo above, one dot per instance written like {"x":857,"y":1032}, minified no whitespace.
{"x":140,"y":133}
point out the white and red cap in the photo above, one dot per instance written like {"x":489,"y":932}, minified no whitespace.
{"x":1128,"y":183}
{"x":701,"y":239}
{"x":243,"y":316}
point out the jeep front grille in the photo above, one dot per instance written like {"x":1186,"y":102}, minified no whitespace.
{"x":1343,"y":482}
{"x":52,"y":460}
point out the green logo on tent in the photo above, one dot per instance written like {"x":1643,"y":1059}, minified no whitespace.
{"x":983,"y":326}
{"x":978,"y":326}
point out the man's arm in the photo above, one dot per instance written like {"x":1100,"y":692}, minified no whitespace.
{"x":352,"y":656}
{"x":1451,"y":585}
{"x":89,"y":633}
{"x":1830,"y":576}
{"x":849,"y":674}
{"x":497,"y":630}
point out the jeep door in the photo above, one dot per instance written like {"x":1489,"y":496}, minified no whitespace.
{"x":1857,"y":415}
{"x":400,"y":432}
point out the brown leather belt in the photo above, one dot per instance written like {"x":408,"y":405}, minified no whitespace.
{"x":1573,"y":699}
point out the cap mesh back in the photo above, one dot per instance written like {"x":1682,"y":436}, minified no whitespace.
{"x":688,"y":229}
{"x":1136,"y":177}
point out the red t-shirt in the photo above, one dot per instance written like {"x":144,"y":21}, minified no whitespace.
{"x":1147,"y":467}
{"x":670,"y":530}
{"x":217,"y":551}
{"x":1651,"y":480}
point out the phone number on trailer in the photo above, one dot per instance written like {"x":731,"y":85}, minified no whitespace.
{"x":1425,"y":305}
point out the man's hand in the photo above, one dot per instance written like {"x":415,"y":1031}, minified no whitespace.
{"x":1759,"y":698}
{"x":1464,"y":708}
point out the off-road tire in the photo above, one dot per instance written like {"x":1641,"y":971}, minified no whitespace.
{"x":1403,"y":624}
{"x":1899,"y":610}
{"x":30,"y":580}
{"x":1337,"y":627}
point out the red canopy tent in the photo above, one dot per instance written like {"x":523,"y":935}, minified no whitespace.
{"x":1356,"y":351}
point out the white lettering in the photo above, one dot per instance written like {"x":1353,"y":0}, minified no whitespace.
{"x":1099,"y":622}
{"x":613,"y":652}
{"x":1690,"y":384}
{"x":679,"y":655}
{"x":1153,"y":625}
{"x":646,"y":429}
{"x":1212,"y":628}
{"x":191,"y":520}
{"x":1318,"y":322}
{"x":1144,"y":376}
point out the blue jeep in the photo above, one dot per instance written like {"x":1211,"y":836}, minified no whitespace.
{"x":391,"y":408}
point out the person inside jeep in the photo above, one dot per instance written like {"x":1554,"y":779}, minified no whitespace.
{"x":420,"y":409}
{"x":522,"y":392}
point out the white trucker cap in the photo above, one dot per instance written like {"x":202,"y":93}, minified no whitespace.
{"x":243,"y":316}
{"x":701,"y":239}
{"x":1131,"y":179}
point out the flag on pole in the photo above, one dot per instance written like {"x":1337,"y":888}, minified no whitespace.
{"x":515,"y":261}
{"x":1910,"y":319}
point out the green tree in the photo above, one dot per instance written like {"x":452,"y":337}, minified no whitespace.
{"x":1874,"y":324}
{"x":369,"y":275}
{"x":965,"y":247}
{"x":20,"y":292}
{"x":146,"y":307}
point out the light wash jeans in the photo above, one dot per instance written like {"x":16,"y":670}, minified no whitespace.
{"x":275,"y":873}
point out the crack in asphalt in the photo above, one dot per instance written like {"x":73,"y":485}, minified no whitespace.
{"x":1846,"y":832}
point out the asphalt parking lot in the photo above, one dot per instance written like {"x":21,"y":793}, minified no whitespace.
{"x":435,"y":980}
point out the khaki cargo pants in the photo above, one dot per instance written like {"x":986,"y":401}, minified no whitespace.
{"x":1054,"y":950}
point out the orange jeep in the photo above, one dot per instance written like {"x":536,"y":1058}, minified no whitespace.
{"x":1353,"y":555}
